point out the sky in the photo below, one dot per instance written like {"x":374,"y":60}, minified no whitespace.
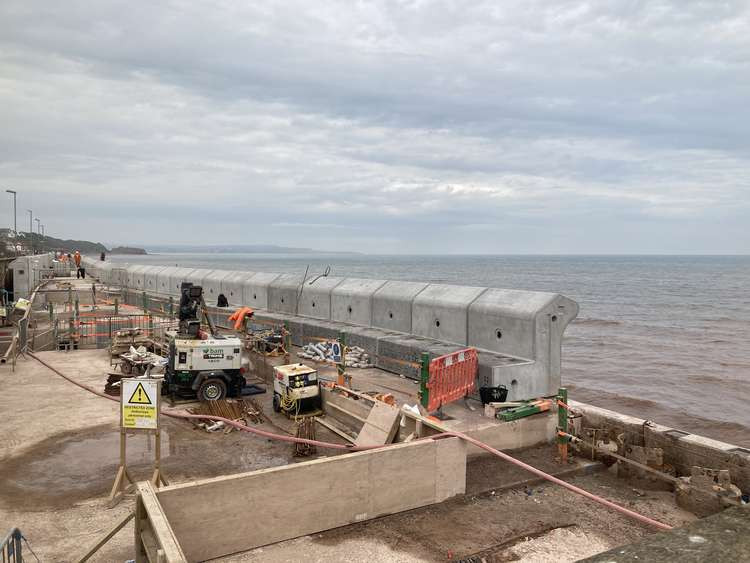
{"x":381,"y":127}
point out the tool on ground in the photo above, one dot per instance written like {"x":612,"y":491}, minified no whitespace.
{"x":207,"y":365}
{"x":532,"y":407}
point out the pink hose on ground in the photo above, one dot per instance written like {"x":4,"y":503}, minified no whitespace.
{"x":292,"y":439}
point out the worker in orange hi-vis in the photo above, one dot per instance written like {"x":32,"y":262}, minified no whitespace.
{"x":77,"y":259}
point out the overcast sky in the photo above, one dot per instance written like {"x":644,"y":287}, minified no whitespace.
{"x":412,"y":126}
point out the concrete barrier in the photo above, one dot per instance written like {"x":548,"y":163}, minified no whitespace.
{"x":282,"y":293}
{"x":315,"y":299}
{"x":212,"y":285}
{"x":518,"y":333}
{"x":136,"y":277}
{"x":151,"y":278}
{"x":351,"y":300}
{"x":392,"y":303}
{"x":176,"y":278}
{"x":255,"y":290}
{"x":196,"y":276}
{"x":442,"y":312}
{"x":163,"y":281}
{"x":231,"y":286}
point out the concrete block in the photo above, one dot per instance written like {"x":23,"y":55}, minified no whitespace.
{"x":283,"y":292}
{"x":231,"y":287}
{"x":442,"y":312}
{"x":163,"y":281}
{"x":136,"y":275}
{"x":351,"y":300}
{"x":315,"y":299}
{"x":255,"y":290}
{"x":526,"y":324}
{"x":176,"y":278}
{"x":315,"y":330}
{"x":366,"y":338}
{"x":151,"y":278}
{"x":392,"y":305}
{"x":402,"y":354}
{"x":375,"y":483}
{"x":212,"y":285}
{"x":197,"y":276}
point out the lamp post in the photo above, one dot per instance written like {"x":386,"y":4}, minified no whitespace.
{"x":31,"y":229}
{"x":15,"y":222}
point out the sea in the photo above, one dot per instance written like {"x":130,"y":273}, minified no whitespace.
{"x":665,"y":338}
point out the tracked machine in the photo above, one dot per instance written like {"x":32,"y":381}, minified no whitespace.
{"x":208,"y":366}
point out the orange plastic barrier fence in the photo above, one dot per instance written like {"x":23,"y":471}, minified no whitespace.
{"x":452,"y":377}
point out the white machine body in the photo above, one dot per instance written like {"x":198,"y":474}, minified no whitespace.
{"x":209,"y":354}
{"x":296,"y":381}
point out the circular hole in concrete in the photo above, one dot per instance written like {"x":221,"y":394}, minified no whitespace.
{"x":255,"y":296}
{"x":390,"y":315}
{"x":349,"y":308}
{"x":313,"y":303}
{"x":554,"y":318}
{"x":513,"y":383}
{"x":282,"y":299}
{"x":437,"y":323}
{"x":499,"y":334}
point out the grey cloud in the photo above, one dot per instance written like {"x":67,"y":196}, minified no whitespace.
{"x":404,"y":124}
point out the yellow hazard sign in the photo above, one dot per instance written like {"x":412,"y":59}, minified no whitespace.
{"x":139,"y":400}
{"x":139,"y":396}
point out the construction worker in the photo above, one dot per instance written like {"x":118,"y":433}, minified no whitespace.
{"x":80,"y":272}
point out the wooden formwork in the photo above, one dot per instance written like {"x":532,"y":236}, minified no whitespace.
{"x":225,"y":515}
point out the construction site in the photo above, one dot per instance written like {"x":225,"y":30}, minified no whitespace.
{"x":328,"y":419}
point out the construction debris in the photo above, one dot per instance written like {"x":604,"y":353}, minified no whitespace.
{"x":356,"y":357}
{"x":240,"y":410}
{"x":123,"y":340}
{"x":140,"y":360}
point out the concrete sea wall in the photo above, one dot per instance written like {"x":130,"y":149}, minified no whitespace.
{"x":518,"y":333}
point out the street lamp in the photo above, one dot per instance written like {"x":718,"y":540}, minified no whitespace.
{"x":31,"y":229}
{"x":15,"y":222}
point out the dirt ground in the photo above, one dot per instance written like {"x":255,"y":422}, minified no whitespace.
{"x":59,"y":453}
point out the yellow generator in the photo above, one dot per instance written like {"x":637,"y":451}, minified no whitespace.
{"x":295,"y":389}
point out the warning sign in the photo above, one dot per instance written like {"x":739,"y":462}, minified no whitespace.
{"x":139,"y":403}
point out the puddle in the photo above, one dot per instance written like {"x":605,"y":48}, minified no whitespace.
{"x":70,"y":467}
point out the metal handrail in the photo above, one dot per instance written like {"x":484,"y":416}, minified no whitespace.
{"x":11,"y":547}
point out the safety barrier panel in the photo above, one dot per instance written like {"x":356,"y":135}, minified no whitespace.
{"x":451,"y":377}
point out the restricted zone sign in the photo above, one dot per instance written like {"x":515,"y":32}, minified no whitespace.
{"x":139,"y":400}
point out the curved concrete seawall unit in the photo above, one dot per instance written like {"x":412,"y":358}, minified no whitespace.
{"x":518,"y":333}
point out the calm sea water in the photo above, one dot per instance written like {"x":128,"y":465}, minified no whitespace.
{"x":662,"y":337}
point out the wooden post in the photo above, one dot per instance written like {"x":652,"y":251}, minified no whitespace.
{"x":117,"y":306}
